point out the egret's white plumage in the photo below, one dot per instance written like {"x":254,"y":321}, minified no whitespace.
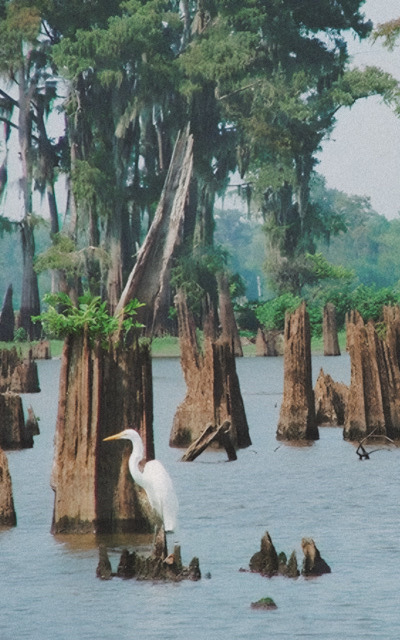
{"x":154,"y":479}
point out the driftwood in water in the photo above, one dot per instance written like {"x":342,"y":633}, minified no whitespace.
{"x":13,"y":432}
{"x":230,"y":332}
{"x":269,"y":343}
{"x":18,"y":374}
{"x":374,"y":402}
{"x":8,"y":517}
{"x":212,"y":434}
{"x":297,"y":413}
{"x":213,"y":392}
{"x":149,"y":279}
{"x":7,"y":318}
{"x":159,"y":565}
{"x":329,"y":331}
{"x":102,"y":391}
{"x":330,"y":400}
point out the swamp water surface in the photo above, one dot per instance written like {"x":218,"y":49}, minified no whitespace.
{"x":48,"y":586}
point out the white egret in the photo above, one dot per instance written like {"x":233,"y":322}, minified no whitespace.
{"x":154,"y":479}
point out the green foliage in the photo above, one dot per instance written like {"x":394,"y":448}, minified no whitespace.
{"x":196,"y":275}
{"x":324,"y":270}
{"x":63,"y":318}
{"x":271,"y":314}
{"x":20,"y":335}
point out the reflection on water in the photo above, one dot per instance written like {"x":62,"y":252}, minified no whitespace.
{"x":49,"y":589}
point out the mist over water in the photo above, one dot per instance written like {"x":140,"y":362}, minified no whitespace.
{"x":49,"y":588}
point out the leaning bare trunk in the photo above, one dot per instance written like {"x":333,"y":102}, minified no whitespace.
{"x":149,"y":279}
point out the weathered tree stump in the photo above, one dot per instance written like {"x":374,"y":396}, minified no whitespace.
{"x":330,"y":400}
{"x":32,"y":423}
{"x":391,"y":319}
{"x":159,"y":565}
{"x":268,"y":563}
{"x":230,"y":332}
{"x":269,"y":343}
{"x":212,"y":433}
{"x":17,"y":374}
{"x":8,"y":516}
{"x":329,"y":331}
{"x":13,"y":432}
{"x":7,"y":318}
{"x":102,"y":391}
{"x":374,"y":402}
{"x":313,"y":564}
{"x":41,"y":350}
{"x":213,"y":392}
{"x":297,"y":414}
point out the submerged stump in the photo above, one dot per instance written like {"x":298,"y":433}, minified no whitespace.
{"x":297,"y":414}
{"x":330,"y":400}
{"x":159,"y":565}
{"x":329,"y":331}
{"x":269,"y":563}
{"x":374,"y":401}
{"x":213,"y":392}
{"x":313,"y":564}
{"x":18,"y":374}
{"x":102,"y":391}
{"x":14,"y":434}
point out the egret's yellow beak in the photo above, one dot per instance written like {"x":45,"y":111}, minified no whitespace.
{"x":114,"y":437}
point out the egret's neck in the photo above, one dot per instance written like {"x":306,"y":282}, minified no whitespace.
{"x":136,"y":456}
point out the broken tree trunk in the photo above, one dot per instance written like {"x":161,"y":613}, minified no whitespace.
{"x":149,"y":279}
{"x":102,"y":391}
{"x":13,"y":432}
{"x":16,"y":374}
{"x":7,"y":318}
{"x":269,"y":343}
{"x":374,"y":403}
{"x":230,"y":331}
{"x":297,"y":413}
{"x":8,"y":517}
{"x":213,"y":392}
{"x":330,"y":400}
{"x":329,"y":331}
{"x":222,"y":435}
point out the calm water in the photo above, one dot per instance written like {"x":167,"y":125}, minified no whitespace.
{"x":48,"y":587}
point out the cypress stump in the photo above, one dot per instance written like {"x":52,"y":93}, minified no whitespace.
{"x":102,"y":392}
{"x":374,"y":402}
{"x":18,"y":374}
{"x":329,"y":331}
{"x":297,"y":414}
{"x":213,"y":392}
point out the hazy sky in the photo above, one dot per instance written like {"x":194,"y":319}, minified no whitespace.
{"x":362,"y":156}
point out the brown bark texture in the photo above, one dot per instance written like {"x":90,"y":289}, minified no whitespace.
{"x":374,"y":401}
{"x":297,"y":414}
{"x":149,"y":279}
{"x":269,"y":343}
{"x":230,"y":331}
{"x":329,"y":331}
{"x":13,"y":432}
{"x":16,"y":374}
{"x":41,"y":350}
{"x":330,"y":400}
{"x":102,"y":391}
{"x":8,"y":516}
{"x":213,"y":392}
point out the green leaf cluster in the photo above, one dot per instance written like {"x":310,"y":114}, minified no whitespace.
{"x":271,"y":314}
{"x":89,"y":316}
